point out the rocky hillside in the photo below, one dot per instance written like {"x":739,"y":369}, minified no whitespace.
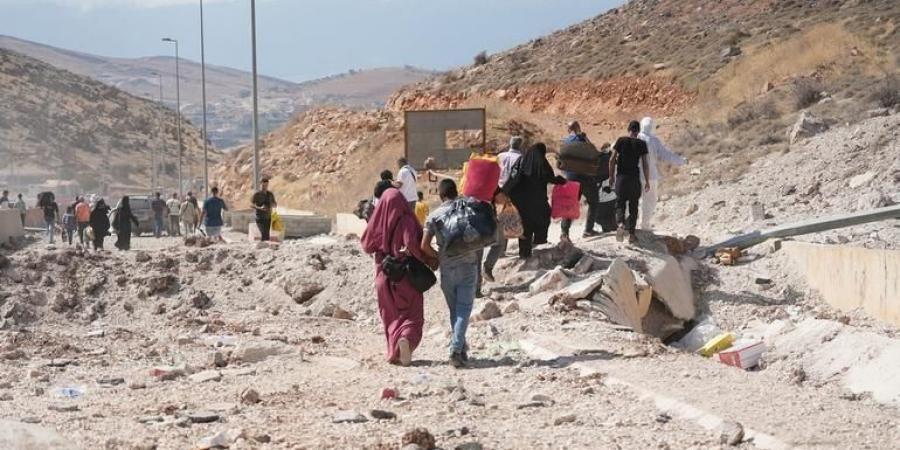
{"x":726,"y":81}
{"x":58,"y":125}
{"x":228,"y":90}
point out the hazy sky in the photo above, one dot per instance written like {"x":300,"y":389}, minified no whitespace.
{"x":297,"y":39}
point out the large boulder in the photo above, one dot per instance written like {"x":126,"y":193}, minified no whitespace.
{"x":806,"y":126}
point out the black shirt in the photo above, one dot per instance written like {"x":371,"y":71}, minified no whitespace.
{"x":630,"y":151}
{"x":264,"y":200}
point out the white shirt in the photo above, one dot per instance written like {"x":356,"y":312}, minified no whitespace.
{"x":407,"y":177}
{"x":507,"y":160}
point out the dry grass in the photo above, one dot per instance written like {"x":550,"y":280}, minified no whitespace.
{"x":887,"y":94}
{"x":806,"y":92}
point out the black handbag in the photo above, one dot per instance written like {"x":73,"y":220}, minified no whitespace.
{"x":420,"y":276}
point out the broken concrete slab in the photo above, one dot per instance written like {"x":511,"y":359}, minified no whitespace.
{"x":672,"y":285}
{"x":618,"y":297}
{"x":550,"y":281}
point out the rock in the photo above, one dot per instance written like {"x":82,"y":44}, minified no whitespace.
{"x":249,"y":396}
{"x":222,"y":439}
{"x":762,"y":280}
{"x":552,"y":280}
{"x":302,"y":291}
{"x":24,"y":436}
{"x":488,"y":311}
{"x":806,"y":126}
{"x":6,"y":397}
{"x":584,"y":265}
{"x":872,"y":113}
{"x":379,"y":414}
{"x":660,"y":66}
{"x":205,"y":376}
{"x":135,"y":385}
{"x":861,"y":179}
{"x":200,"y":300}
{"x":691,"y":209}
{"x":342,"y":314}
{"x":112,"y":381}
{"x":216,"y":359}
{"x":412,"y":447}
{"x":254,"y":353}
{"x":167,"y":373}
{"x":788,"y":189}
{"x":420,"y":437}
{"x":348,"y":417}
{"x":63,"y":408}
{"x":512,"y":307}
{"x":671,"y":283}
{"x":568,"y":418}
{"x":262,"y":438}
{"x":150,"y":419}
{"x":730,"y":51}
{"x":732,"y":433}
{"x":203,"y":417}
{"x":141,"y":257}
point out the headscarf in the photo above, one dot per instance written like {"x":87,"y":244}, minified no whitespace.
{"x":535,"y":164}
{"x":100,"y":204}
{"x":648,"y":126}
{"x":391,"y":218}
{"x":125,"y":205}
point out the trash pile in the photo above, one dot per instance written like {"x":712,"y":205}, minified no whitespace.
{"x":709,"y":341}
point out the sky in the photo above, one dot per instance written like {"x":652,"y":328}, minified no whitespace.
{"x":297,"y":40}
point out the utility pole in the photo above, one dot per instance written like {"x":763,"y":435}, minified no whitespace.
{"x":203,"y":89}
{"x":178,"y":116}
{"x":162,"y":137}
{"x":255,"y":99}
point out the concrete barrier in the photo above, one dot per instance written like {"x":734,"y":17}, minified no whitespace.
{"x":10,"y":225}
{"x":300,"y":225}
{"x":852,"y":277}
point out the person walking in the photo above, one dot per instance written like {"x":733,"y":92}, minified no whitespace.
{"x":69,"y":224}
{"x":656,"y":152}
{"x":211,"y":217}
{"x":459,"y":274}
{"x":82,"y":218}
{"x":507,"y":160}
{"x":422,"y":209}
{"x":4,"y":199}
{"x":628,"y":157}
{"x":263,"y":202}
{"x":122,"y":224}
{"x":100,"y":223}
{"x":22,"y":208}
{"x":50,"y":208}
{"x":174,"y":206}
{"x":406,"y":183}
{"x":158,"y":206}
{"x":527,"y":188}
{"x":606,"y":200}
{"x":189,"y":213}
{"x":393,"y":231}
{"x":587,"y":187}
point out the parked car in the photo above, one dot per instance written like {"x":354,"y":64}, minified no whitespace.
{"x":140,"y":207}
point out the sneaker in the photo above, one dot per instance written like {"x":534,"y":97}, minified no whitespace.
{"x":405,"y":352}
{"x":590,"y":233}
{"x":632,"y":238}
{"x":456,"y":360}
{"x":465,"y":356}
{"x":489,"y":273}
{"x":620,"y":233}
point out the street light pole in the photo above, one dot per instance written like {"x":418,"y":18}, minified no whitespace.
{"x":154,"y":176}
{"x":178,"y":114}
{"x":255,"y":99}
{"x":203,"y":89}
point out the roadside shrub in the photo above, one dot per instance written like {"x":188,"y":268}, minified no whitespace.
{"x":887,"y":94}
{"x":751,"y":111}
{"x":481,"y":58}
{"x":807,"y":91}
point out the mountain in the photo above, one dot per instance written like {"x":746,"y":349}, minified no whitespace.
{"x":58,"y":125}
{"x":229,"y":104}
{"x":726,"y":80}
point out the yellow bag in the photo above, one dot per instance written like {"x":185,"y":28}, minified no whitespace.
{"x":277,"y":224}
{"x":489,"y":157}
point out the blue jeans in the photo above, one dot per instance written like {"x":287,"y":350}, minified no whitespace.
{"x":158,"y":226}
{"x":459,"y":281}
{"x":51,"y":228}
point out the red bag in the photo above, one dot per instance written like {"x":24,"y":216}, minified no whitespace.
{"x":564,"y":202}
{"x":482,"y":179}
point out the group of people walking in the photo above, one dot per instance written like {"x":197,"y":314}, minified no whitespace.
{"x":627,"y":172}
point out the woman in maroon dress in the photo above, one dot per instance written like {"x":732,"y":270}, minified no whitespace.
{"x":393,"y":230}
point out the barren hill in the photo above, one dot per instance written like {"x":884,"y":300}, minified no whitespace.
{"x":726,"y":80}
{"x":58,"y":125}
{"x":228,"y":90}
